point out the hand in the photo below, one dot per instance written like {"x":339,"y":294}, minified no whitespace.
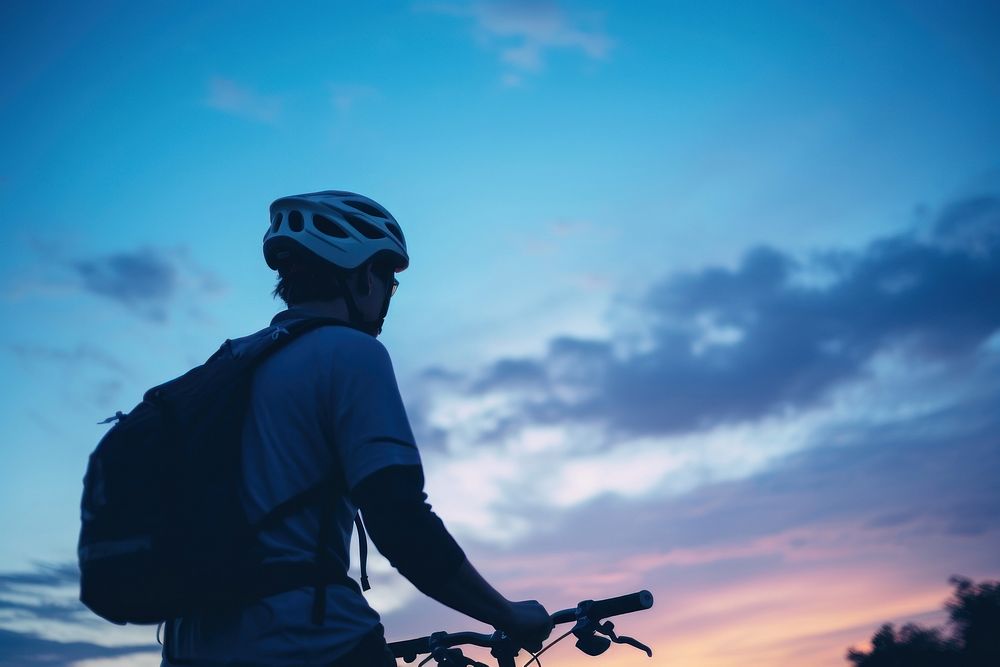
{"x":528,"y":624}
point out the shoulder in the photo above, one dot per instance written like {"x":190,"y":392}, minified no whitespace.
{"x":347,"y":347}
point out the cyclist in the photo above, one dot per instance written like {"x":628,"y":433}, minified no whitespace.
{"x":329,"y":401}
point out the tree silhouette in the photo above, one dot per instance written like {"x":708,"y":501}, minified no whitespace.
{"x":975,"y":616}
{"x":911,"y":646}
{"x":972,"y":640}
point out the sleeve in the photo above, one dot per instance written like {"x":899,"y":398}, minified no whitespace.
{"x":369,"y":429}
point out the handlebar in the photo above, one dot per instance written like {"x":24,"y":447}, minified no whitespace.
{"x":409,"y":649}
{"x":589,"y":611}
{"x":599,"y":609}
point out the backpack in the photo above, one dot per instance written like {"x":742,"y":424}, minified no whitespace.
{"x":163,"y":531}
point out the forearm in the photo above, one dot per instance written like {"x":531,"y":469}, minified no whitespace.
{"x":467,"y":592}
{"x":413,"y":538}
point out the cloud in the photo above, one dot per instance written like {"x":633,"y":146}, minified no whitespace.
{"x":729,"y":345}
{"x":82,"y":354}
{"x":883,"y":512}
{"x":707,"y":397}
{"x":511,"y":373}
{"x":524,"y":32}
{"x":890,"y":483}
{"x":44,"y":574}
{"x":30,"y":649}
{"x":494,"y":455}
{"x":144,"y":281}
{"x":801,"y":558}
{"x":147,"y":281}
{"x":234,"y":98}
{"x":42,"y":622}
{"x":99,"y":375}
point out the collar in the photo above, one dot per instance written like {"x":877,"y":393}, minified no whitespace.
{"x":298,"y":313}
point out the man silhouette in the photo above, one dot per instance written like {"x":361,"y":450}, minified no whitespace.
{"x":328,"y":404}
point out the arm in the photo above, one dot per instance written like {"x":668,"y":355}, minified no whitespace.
{"x":413,"y":538}
{"x":466,"y":591}
{"x":382,"y":469}
{"x":403,"y":527}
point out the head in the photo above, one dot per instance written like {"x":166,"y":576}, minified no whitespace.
{"x":336,"y":245}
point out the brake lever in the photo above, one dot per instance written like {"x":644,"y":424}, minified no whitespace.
{"x":453,"y":657}
{"x":585,"y":631}
{"x":608,"y":628}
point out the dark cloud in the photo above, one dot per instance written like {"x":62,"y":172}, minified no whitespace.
{"x":50,"y":611}
{"x":935,"y":474}
{"x":17,"y":648}
{"x":915,"y":495}
{"x":927,"y":484}
{"x":777,"y":333}
{"x":144,"y":281}
{"x":147,"y":281}
{"x":440,"y":374}
{"x":44,"y":582}
{"x":511,"y":373}
{"x":971,"y":226}
{"x":44,"y":574}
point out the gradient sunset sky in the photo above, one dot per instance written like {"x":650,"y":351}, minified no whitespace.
{"x":704,"y":296}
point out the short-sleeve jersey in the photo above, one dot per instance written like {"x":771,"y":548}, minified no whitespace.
{"x":328,"y":401}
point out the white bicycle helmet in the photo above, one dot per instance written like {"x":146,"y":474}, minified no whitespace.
{"x":342,"y":228}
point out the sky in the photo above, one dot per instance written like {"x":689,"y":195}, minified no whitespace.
{"x":704,"y":297}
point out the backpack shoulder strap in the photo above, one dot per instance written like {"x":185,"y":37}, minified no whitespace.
{"x":269,"y":340}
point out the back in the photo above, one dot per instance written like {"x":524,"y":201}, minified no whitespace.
{"x":326,"y":404}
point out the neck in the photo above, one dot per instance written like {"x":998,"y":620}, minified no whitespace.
{"x":336,"y":308}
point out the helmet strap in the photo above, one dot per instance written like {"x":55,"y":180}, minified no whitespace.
{"x":385,"y":308}
{"x":372,"y":328}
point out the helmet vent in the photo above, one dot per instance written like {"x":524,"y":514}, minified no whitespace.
{"x":329,"y":227}
{"x":295,"y":221}
{"x":276,"y":223}
{"x":396,"y":231}
{"x":369,"y":230}
{"x":366,"y":208}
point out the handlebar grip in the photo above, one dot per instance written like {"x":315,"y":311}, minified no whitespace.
{"x":623,"y":604}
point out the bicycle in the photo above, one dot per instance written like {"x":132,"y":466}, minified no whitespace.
{"x":587,"y":616}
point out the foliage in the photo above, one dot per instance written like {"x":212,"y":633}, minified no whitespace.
{"x":971,"y":640}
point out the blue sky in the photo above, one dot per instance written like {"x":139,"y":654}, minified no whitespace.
{"x":669,"y":261}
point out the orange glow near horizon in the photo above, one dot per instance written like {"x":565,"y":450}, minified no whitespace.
{"x":776,"y":621}
{"x":817,"y":600}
